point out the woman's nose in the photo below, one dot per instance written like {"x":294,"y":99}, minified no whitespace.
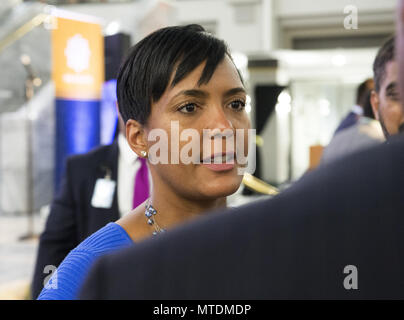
{"x":219,"y":122}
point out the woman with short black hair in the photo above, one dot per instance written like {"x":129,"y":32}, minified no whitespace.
{"x":183,"y":102}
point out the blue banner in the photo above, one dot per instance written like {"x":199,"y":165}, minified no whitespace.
{"x":77,"y":130}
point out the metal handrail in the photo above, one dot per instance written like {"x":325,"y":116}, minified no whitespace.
{"x":23,"y":30}
{"x":258,"y":185}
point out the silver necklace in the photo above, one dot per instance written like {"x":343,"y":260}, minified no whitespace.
{"x":150,"y":213}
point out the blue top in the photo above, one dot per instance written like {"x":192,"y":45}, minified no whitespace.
{"x":67,"y":280}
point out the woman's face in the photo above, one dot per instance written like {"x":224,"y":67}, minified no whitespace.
{"x":218,"y":105}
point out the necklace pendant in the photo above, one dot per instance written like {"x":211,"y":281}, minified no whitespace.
{"x":150,"y":212}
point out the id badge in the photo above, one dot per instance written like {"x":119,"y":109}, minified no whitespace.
{"x":103,"y":193}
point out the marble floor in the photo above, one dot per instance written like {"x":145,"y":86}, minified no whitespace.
{"x":17,"y":257}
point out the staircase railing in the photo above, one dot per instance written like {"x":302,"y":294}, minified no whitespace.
{"x":23,"y":30}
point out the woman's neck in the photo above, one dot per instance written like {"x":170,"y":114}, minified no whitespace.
{"x":173,"y":210}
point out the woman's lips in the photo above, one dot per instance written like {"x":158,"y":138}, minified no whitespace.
{"x":219,"y":166}
{"x":225,"y":161}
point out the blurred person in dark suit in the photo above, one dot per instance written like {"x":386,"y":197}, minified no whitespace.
{"x":81,"y":208}
{"x":302,"y":244}
{"x":366,"y":133}
{"x":385,"y":99}
{"x":336,"y":233}
{"x":357,"y":110}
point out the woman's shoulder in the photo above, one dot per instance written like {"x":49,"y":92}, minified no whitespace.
{"x":107,"y":238}
{"x":65,"y":282}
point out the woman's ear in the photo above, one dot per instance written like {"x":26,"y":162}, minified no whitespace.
{"x":136,"y":136}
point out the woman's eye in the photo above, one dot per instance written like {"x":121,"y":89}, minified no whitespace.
{"x":188,"y":108}
{"x":237,"y":105}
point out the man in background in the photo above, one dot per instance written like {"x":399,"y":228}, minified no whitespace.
{"x":383,"y":103}
{"x":385,"y":99}
{"x":365,"y":133}
{"x":357,"y":110}
{"x":97,"y":188}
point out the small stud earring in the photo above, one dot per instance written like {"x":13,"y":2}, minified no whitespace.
{"x":143,"y":153}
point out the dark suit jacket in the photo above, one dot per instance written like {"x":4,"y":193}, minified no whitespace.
{"x":296,"y":245}
{"x":72,"y":218}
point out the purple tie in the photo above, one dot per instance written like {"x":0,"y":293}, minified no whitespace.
{"x":141,"y":192}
